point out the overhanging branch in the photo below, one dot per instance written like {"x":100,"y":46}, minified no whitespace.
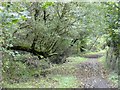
{"x":30,"y":50}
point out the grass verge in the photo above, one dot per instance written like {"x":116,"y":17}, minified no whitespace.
{"x":62,"y":76}
{"x":54,"y":81}
{"x":94,"y":54}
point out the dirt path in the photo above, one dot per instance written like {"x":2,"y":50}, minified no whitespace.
{"x":0,"y":65}
{"x":0,"y":69}
{"x":92,"y":74}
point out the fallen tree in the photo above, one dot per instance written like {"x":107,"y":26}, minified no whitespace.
{"x":40,"y":54}
{"x":59,"y":58}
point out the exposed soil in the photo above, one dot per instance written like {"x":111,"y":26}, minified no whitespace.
{"x":0,"y":68}
{"x":92,"y":74}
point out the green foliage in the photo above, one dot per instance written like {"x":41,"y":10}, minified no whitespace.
{"x":113,"y":33}
{"x":52,"y":28}
{"x":102,"y":60}
{"x":114,"y":78}
{"x":47,"y":4}
{"x":66,"y":81}
{"x":61,"y":76}
{"x":67,"y":68}
{"x":113,"y":19}
{"x":15,"y":72}
{"x":56,"y":81}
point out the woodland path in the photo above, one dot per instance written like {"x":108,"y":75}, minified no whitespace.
{"x":0,"y":68}
{"x":0,"y":65}
{"x":92,"y":74}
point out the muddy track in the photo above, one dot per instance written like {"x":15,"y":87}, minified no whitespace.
{"x":92,"y":74}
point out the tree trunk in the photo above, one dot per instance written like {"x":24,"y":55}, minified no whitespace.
{"x":112,"y":60}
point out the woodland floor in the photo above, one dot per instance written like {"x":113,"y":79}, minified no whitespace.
{"x":92,"y":74}
{"x":0,"y":69}
{"x":89,"y":73}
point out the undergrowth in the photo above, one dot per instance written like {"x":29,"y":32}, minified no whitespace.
{"x":60,"y":76}
{"x":112,"y":77}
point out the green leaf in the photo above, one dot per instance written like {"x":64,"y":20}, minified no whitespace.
{"x":15,"y":20}
{"x":23,"y":17}
{"x":47,"y":4}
